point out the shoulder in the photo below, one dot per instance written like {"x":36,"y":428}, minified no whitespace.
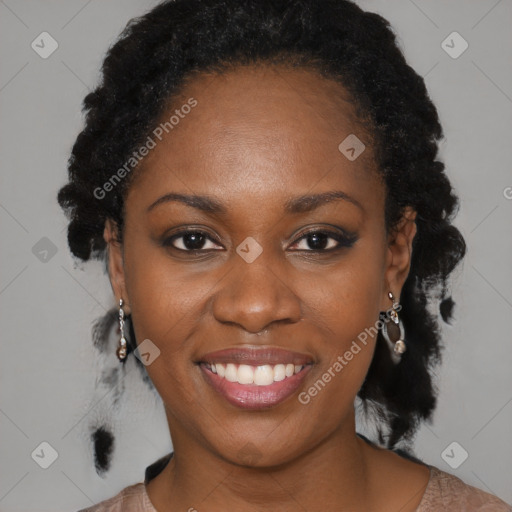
{"x":131,"y":499}
{"x":448,"y":492}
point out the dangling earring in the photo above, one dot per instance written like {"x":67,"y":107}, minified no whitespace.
{"x":121,"y":349}
{"x":398,"y":347}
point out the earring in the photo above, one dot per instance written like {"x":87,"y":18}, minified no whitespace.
{"x":121,"y":349}
{"x":398,"y":347}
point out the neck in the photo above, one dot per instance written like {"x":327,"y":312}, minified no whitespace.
{"x":197,"y":478}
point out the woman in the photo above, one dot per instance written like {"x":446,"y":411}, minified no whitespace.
{"x":261,"y":178}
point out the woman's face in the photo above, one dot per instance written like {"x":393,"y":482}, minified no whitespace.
{"x":253,"y":293}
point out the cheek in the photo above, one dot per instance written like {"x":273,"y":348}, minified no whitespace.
{"x":345,"y":304}
{"x":347,"y":298}
{"x":165,"y":305}
{"x":165,"y":310}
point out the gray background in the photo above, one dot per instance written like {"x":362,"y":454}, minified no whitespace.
{"x":48,"y":365}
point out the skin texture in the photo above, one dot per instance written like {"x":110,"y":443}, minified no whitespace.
{"x":258,"y":137}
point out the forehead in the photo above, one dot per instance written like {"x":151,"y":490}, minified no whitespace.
{"x":256,"y":128}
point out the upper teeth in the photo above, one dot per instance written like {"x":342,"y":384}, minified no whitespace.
{"x":259,"y":375}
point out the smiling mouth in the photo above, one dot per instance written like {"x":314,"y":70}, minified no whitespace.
{"x":255,"y":378}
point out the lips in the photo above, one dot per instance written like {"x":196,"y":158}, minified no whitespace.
{"x":255,"y":378}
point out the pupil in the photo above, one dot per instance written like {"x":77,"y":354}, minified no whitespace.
{"x":193,"y":241}
{"x":318,"y":240}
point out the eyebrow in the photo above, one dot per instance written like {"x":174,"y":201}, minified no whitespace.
{"x":307,"y":203}
{"x":301,"y":204}
{"x":205,"y":203}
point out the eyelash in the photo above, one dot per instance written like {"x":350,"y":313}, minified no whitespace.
{"x":343,"y":241}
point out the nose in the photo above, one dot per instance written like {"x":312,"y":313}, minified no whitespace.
{"x":256,"y":295}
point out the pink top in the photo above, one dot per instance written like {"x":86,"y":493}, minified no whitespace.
{"x":444,"y":492}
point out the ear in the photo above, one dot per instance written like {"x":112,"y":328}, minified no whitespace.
{"x":115,"y":263}
{"x":399,"y":255}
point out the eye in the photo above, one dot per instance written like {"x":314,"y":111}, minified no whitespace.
{"x":190,"y":241}
{"x":324,"y":241}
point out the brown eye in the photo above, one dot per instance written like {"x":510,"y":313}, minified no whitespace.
{"x":323,"y":241}
{"x":190,"y":241}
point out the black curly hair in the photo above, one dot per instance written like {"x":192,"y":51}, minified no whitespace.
{"x":148,"y":66}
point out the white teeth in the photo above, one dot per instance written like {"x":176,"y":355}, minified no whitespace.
{"x":262,"y":375}
{"x":279,"y":372}
{"x":245,"y":374}
{"x":231,"y":373}
{"x":221,"y":370}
